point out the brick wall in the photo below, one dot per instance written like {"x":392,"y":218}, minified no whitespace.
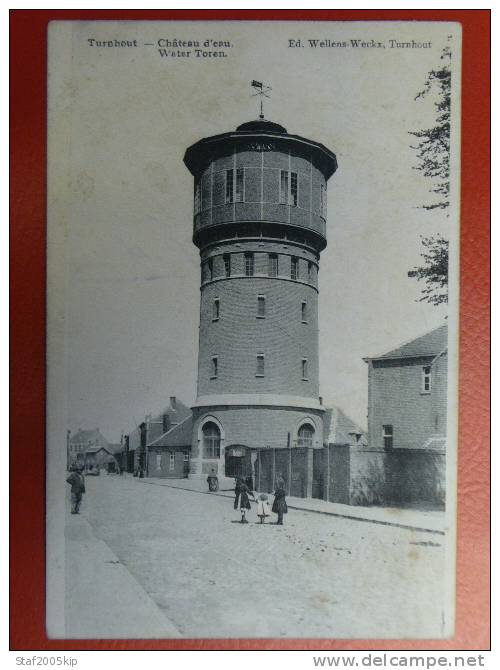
{"x":159,"y":463}
{"x":402,"y":477}
{"x":396,"y":398}
{"x":239,"y":335}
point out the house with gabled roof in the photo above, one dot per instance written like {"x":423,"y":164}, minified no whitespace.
{"x":169,"y":454}
{"x":407,"y":413}
{"x":149,"y":430}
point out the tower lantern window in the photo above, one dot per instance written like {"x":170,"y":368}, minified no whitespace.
{"x":227,"y":264}
{"x":235,"y":185}
{"x":273,"y":265}
{"x":197,"y":198}
{"x":294,"y":270}
{"x":293,"y":189}
{"x":288,"y":188}
{"x":229,"y":185}
{"x":249,"y":264}
{"x":283,"y":187}
{"x":240,"y":185}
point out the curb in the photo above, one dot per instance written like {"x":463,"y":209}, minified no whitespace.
{"x":351,"y":517}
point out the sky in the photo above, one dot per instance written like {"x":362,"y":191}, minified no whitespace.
{"x":124,"y":117}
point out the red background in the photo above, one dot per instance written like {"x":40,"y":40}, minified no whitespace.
{"x":28,"y":30}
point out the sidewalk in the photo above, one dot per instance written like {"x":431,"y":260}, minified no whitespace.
{"x":429,"y":521}
{"x":103,"y":600}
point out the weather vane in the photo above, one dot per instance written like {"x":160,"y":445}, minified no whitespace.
{"x":261,"y":90}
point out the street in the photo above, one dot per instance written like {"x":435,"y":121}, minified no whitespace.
{"x":316,"y":576}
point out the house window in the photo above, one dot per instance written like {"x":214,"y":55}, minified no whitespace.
{"x":288,"y":188}
{"x":305,"y":436}
{"x":323,"y":201}
{"x":304,"y":311}
{"x":260,"y":366}
{"x":197,"y":198}
{"x":229,"y":185}
{"x":215,"y":367}
{"x":211,"y":440}
{"x":249,"y":264}
{"x":310,"y":272}
{"x":172,"y":461}
{"x":388,"y":436}
{"x":227,"y":264}
{"x":210,"y":268}
{"x":186,"y":457}
{"x":304,"y":369}
{"x":216,"y":310}
{"x":272,"y":268}
{"x":158,"y":461}
{"x":261,"y":307}
{"x":426,"y":379}
{"x":294,"y":271}
{"x":235,"y":185}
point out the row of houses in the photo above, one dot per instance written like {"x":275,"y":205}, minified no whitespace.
{"x":399,"y":460}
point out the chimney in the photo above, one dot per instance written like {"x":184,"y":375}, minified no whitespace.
{"x":173,"y":402}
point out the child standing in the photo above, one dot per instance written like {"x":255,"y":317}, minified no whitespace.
{"x":263,"y":507}
{"x":244,"y":501}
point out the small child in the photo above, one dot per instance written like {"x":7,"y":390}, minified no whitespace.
{"x":263,"y":507}
{"x":244,"y":501}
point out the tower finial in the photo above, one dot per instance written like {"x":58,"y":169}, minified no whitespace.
{"x":262,"y":90}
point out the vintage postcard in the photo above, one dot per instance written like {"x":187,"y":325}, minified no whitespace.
{"x":252,"y":285}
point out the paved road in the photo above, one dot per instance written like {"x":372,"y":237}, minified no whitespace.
{"x":316,"y":576}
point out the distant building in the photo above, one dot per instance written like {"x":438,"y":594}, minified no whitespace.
{"x":148,"y":432}
{"x":81,"y":441}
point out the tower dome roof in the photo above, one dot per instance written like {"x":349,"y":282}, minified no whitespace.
{"x":261,"y":126}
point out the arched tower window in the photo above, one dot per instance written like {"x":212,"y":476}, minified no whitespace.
{"x":305,"y":435}
{"x":211,"y":440}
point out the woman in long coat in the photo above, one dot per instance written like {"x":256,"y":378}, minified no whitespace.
{"x":279,"y":505}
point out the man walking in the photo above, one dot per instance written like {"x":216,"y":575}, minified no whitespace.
{"x":77,"y":481}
